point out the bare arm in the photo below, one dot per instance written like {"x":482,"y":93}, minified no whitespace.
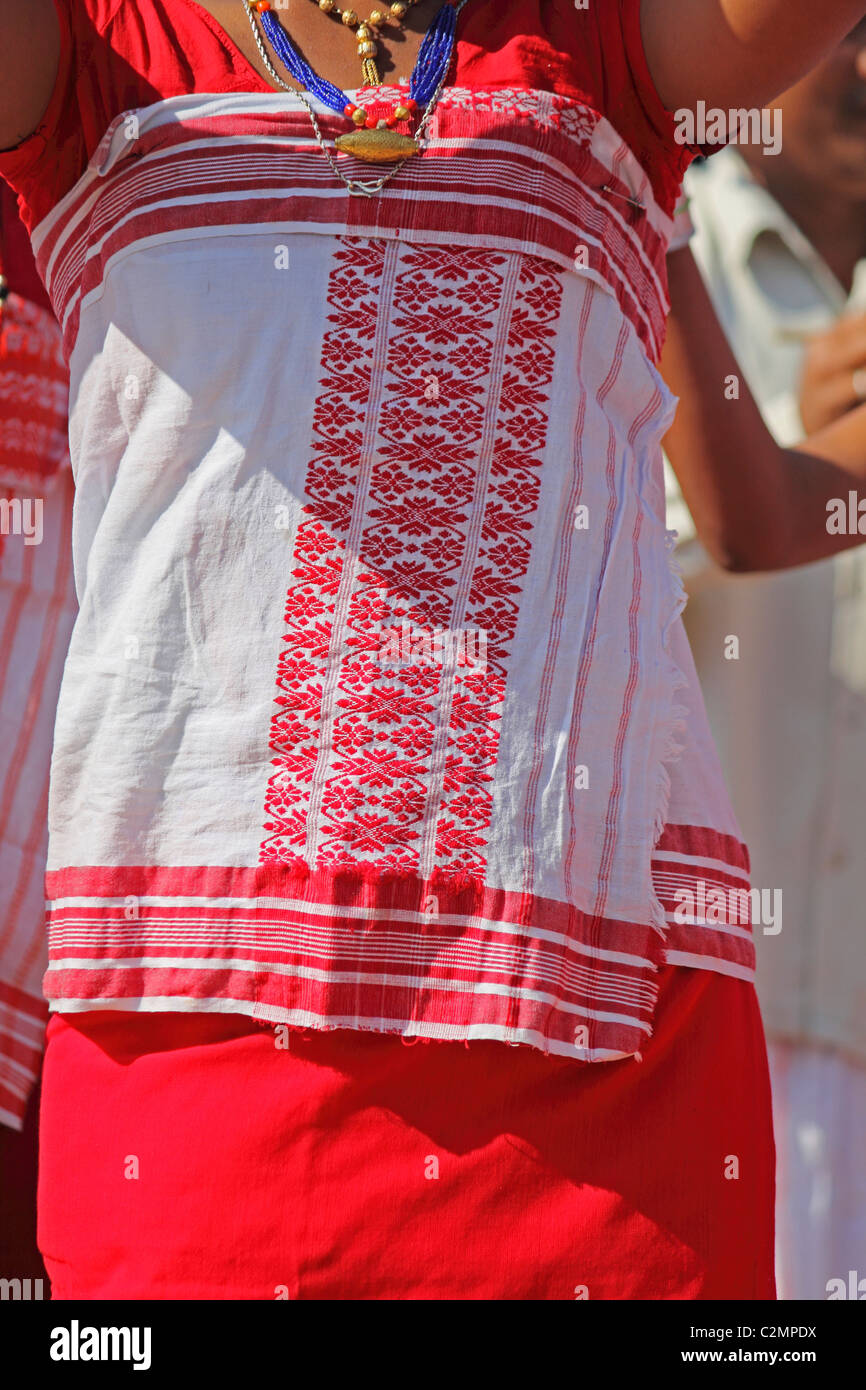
{"x":29,"y":51}
{"x":756,"y":506}
{"x":739,"y":53}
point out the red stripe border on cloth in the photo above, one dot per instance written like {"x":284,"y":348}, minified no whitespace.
{"x":546,"y":191}
{"x":390,"y":953}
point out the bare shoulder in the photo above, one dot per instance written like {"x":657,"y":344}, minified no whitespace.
{"x":29,"y":52}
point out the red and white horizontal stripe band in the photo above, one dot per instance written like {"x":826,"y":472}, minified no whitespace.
{"x":185,"y":173}
{"x":354,"y":950}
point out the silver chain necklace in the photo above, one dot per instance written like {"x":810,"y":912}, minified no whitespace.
{"x":356,"y":187}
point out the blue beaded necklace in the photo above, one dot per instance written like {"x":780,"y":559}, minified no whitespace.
{"x":374,"y":140}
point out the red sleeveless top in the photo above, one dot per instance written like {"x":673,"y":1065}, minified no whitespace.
{"x":116,"y":56}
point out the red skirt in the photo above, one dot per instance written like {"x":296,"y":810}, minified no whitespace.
{"x":188,"y":1156}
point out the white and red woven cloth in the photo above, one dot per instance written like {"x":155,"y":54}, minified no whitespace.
{"x":378,"y":712}
{"x":37,"y":609}
{"x":396,"y":423}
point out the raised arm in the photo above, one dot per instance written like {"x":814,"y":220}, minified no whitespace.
{"x":29,"y":51}
{"x":739,"y":53}
{"x":756,"y":506}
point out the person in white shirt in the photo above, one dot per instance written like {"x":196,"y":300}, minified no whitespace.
{"x":781,"y":244}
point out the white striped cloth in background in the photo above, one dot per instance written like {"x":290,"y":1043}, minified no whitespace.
{"x":37,"y":610}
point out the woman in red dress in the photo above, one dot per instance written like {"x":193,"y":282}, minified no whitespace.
{"x":378,"y":724}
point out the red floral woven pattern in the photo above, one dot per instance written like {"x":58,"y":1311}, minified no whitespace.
{"x":422,"y":492}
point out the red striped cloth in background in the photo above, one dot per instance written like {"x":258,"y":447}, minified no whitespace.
{"x":37,"y":609}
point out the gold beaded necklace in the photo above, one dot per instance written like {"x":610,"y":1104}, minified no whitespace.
{"x":365,"y":31}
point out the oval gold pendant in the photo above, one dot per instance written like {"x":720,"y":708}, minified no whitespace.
{"x":377,"y":146}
